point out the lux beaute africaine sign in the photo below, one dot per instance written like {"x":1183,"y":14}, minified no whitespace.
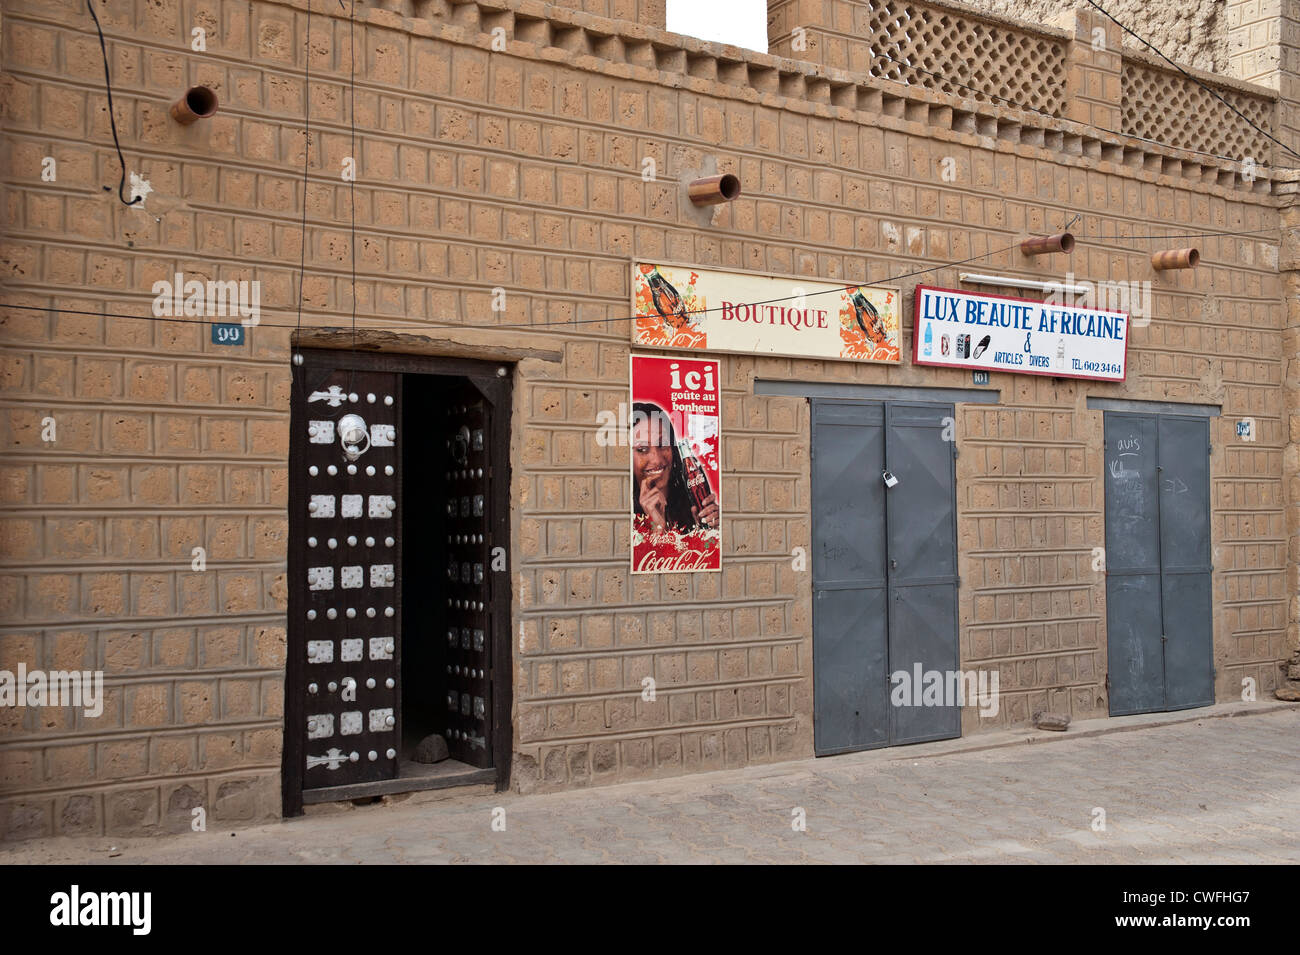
{"x":703,"y":310}
{"x":998,"y":333}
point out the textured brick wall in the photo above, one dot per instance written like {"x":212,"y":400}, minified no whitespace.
{"x":650,"y":13}
{"x":164,"y":442}
{"x":522,"y":169}
{"x":1264,"y":46}
{"x":1290,"y":264}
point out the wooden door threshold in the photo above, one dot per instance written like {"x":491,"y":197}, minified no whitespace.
{"x":416,"y":777}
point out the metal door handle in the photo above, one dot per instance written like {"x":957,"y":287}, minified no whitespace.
{"x":893,"y":564}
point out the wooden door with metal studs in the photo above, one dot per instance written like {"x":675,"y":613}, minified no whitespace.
{"x":469,"y":580}
{"x":345,"y":591}
{"x":399,"y":605}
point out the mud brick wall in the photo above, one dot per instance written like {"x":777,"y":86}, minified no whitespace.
{"x":522,"y":169}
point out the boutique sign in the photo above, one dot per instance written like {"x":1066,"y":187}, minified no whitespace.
{"x":680,"y":307}
{"x":956,"y":329}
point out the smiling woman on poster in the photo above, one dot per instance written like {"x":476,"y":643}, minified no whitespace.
{"x":672,"y":495}
{"x":675,"y":465}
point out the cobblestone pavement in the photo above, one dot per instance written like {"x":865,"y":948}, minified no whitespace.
{"x":1213,"y":790}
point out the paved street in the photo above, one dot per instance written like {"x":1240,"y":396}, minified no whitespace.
{"x":1210,"y":790}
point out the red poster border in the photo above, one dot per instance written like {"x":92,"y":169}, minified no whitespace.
{"x":631,"y":556}
{"x":916,"y":338}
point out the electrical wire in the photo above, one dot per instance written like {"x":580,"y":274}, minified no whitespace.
{"x":1172,"y":235}
{"x":352,"y":118}
{"x":112,"y":120}
{"x":352,"y":181}
{"x":629,"y":318}
{"x":306,"y":158}
{"x":1189,"y":76}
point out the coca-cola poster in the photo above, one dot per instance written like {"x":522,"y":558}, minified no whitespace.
{"x":681,"y":307}
{"x":676,"y":465}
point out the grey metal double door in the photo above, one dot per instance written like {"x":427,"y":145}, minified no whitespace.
{"x":1158,"y":570}
{"x":884,"y":571}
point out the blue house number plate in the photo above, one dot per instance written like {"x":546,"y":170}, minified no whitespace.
{"x":223,"y":334}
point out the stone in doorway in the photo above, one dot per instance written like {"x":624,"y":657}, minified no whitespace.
{"x":432,"y":749}
{"x":1057,"y":722}
{"x":1289,"y":691}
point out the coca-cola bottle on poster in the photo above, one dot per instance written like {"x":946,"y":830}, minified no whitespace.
{"x":667,"y":300}
{"x":697,"y":479}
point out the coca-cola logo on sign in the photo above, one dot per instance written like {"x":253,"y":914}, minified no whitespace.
{"x":687,"y":560}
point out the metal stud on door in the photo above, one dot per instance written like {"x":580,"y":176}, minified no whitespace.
{"x":469,"y":602}
{"x":346,"y":608}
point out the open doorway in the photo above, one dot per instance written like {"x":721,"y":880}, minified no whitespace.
{"x":447,"y":524}
{"x":398,"y":675}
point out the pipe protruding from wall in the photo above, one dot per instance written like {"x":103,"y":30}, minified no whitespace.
{"x":1175,"y":259}
{"x":1043,"y":244}
{"x":199,"y":102}
{"x":712,"y":190}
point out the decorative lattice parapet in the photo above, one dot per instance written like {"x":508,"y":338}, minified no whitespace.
{"x":1161,"y":104}
{"x":1076,"y":70}
{"x":946,"y":48}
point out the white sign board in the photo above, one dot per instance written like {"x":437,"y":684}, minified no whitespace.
{"x":955,"y":329}
{"x":680,"y":307}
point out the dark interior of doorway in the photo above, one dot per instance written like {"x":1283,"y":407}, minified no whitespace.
{"x":424,"y":557}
